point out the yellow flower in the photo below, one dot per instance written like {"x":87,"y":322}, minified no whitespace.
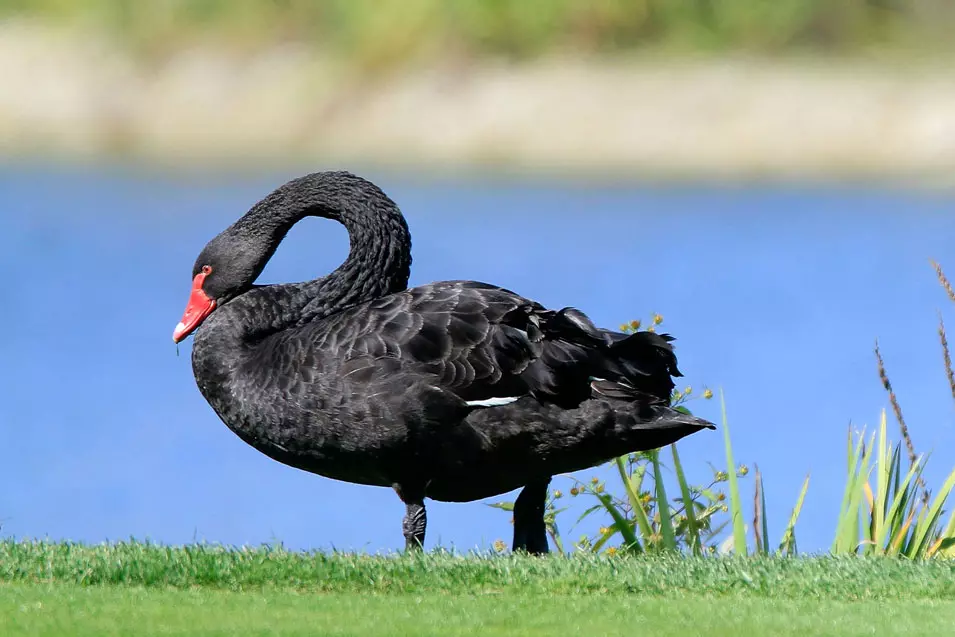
{"x":499,"y":546}
{"x":558,"y":493}
{"x":634,"y":325}
{"x":707,"y":393}
{"x":657,"y":319}
{"x":611,"y":551}
{"x":574,"y":491}
{"x":594,"y":480}
{"x":688,"y":391}
{"x":603,"y":530}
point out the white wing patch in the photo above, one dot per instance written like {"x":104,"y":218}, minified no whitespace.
{"x":493,"y":402}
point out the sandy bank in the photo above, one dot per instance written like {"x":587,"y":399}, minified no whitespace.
{"x":71,"y":95}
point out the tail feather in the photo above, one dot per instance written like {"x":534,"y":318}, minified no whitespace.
{"x":652,"y":427}
{"x":575,"y":360}
{"x":614,"y":389}
{"x":534,"y":438}
{"x":663,"y":417}
{"x":639,"y":364}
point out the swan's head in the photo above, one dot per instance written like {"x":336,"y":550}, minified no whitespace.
{"x":226,"y":267}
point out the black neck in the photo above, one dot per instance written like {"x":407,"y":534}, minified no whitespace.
{"x":378,"y":263}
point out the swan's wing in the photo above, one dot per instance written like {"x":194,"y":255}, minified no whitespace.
{"x":488,"y":345}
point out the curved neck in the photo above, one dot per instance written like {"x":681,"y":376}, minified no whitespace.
{"x":379,"y":259}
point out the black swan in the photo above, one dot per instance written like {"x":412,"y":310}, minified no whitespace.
{"x":454,"y":391}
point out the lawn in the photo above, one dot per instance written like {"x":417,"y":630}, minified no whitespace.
{"x":66,"y":609}
{"x":139,"y":589}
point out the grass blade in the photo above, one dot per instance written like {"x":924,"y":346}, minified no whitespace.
{"x":895,"y":546}
{"x":663,"y":504}
{"x":760,"y":527}
{"x":639,"y":513}
{"x":630,"y":539}
{"x":925,"y":531}
{"x":946,"y":540}
{"x":847,"y":528}
{"x":856,"y":505}
{"x":587,"y":512}
{"x":901,"y":498}
{"x":736,"y":505}
{"x":883,"y":469}
{"x":693,"y":525}
{"x":788,"y":544}
{"x":852,"y":469}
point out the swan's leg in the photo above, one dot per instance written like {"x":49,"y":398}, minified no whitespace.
{"x":530,"y":532}
{"x":416,"y":518}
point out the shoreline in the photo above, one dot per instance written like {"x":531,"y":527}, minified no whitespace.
{"x":73,"y":98}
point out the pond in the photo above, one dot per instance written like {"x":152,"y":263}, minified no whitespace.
{"x":776,"y":295}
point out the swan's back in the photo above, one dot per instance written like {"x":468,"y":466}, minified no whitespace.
{"x":479,"y":342}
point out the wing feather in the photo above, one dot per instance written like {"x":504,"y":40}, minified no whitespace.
{"x":483,"y":342}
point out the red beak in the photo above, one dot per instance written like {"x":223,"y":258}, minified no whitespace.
{"x":199,"y":307}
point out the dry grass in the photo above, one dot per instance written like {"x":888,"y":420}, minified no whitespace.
{"x":942,"y":336}
{"x":896,"y":408}
{"x":949,"y":373}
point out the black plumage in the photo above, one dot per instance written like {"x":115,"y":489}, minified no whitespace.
{"x":455,"y":391}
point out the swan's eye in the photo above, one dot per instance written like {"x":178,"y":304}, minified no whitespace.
{"x":207,"y":270}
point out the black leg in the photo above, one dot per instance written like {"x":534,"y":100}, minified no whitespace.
{"x":415,"y":522}
{"x":530,"y":532}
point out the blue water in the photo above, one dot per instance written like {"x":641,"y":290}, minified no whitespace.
{"x":776,"y":295}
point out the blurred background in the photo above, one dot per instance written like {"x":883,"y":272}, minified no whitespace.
{"x":771,"y":177}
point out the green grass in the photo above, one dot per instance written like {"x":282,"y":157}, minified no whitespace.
{"x":248,"y":569}
{"x":57,"y":610}
{"x":134,"y":588}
